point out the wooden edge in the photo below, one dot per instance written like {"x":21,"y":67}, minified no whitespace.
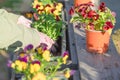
{"x":72,"y":44}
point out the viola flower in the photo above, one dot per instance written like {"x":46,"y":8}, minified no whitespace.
{"x":65,"y":57}
{"x":22,"y":54}
{"x":59,"y":7}
{"x":28,"y":47}
{"x":46,"y":55}
{"x":34,"y":67}
{"x":25,"y":58}
{"x":20,"y":65}
{"x":39,"y":76}
{"x":48,"y":9}
{"x":67,"y":73}
{"x":39,"y":50}
{"x":108,"y":23}
{"x":105,"y":28}
{"x":102,"y":7}
{"x":71,"y":11}
{"x":13,"y":65}
{"x":56,"y":12}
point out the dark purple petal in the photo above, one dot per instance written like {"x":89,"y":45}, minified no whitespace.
{"x":65,"y":53}
{"x":36,"y":62}
{"x":24,"y":59}
{"x":43,"y":46}
{"x":28,"y":47}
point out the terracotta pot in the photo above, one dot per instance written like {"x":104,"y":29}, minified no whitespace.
{"x":97,"y":41}
{"x":78,"y":2}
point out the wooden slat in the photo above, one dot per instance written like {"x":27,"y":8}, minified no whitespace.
{"x":72,"y":47}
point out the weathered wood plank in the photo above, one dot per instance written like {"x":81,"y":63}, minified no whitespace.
{"x":72,"y":47}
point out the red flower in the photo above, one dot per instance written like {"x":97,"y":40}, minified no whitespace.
{"x":91,"y":13}
{"x":37,"y":6}
{"x":109,"y":24}
{"x":102,"y":7}
{"x":52,"y":10}
{"x":71,"y":11}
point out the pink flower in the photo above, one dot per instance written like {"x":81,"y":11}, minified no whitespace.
{"x":114,"y":14}
{"x":91,"y":13}
{"x":102,"y":7}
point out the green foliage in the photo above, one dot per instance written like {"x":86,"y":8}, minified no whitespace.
{"x":49,"y":25}
{"x":48,"y":1}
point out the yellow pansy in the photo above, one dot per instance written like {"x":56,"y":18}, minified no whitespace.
{"x":56,"y":12}
{"x":48,"y":9}
{"x":39,"y":50}
{"x":31,"y":68}
{"x":41,"y":7}
{"x":35,"y":3}
{"x":36,"y":67}
{"x":65,"y":59}
{"x":24,"y":65}
{"x":22,"y":54}
{"x":67,"y":74}
{"x":59,"y":6}
{"x":13,"y":65}
{"x":39,"y":76}
{"x":46,"y":55}
{"x":17,"y":62}
{"x":19,"y":67}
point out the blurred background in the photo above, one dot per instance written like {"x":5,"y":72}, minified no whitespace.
{"x":16,"y":6}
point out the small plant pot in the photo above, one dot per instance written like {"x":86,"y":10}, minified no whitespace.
{"x":78,"y":2}
{"x":97,"y":41}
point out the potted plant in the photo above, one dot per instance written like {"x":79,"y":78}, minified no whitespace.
{"x":98,"y":24}
{"x":39,"y":64}
{"x":48,"y":19}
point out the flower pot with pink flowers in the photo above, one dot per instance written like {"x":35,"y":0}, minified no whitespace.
{"x":98,"y":24}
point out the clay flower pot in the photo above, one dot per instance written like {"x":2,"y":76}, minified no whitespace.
{"x":78,"y":2}
{"x":97,"y":41}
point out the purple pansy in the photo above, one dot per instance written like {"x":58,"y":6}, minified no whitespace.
{"x":28,"y":47}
